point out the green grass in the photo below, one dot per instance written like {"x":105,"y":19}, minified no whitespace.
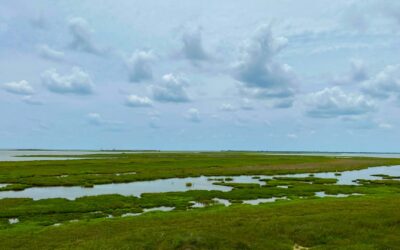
{"x":154,"y":165}
{"x":50,"y":211}
{"x":350,"y":223}
{"x":370,"y":221}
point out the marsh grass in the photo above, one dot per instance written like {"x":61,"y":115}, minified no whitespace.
{"x":370,"y":221}
{"x":102,"y":169}
{"x":329,"y":223}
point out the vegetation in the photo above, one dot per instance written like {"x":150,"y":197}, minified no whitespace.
{"x":106,"y":168}
{"x":329,"y":223}
{"x":367,"y":221}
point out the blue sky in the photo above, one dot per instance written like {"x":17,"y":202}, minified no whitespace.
{"x":200,"y":75}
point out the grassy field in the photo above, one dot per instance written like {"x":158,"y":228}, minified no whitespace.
{"x":367,"y":221}
{"x":329,"y":223}
{"x":148,"y":166}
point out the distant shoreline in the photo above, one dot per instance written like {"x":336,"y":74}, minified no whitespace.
{"x":155,"y":150}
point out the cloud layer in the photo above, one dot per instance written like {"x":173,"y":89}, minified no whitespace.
{"x":261,"y":75}
{"x":171,"y":89}
{"x":334,"y":102}
{"x":385,"y":84}
{"x":49,"y":53}
{"x":19,"y":88}
{"x":135,"y":101}
{"x":140,"y":66}
{"x":77,"y":82}
{"x":82,"y":36}
{"x":193,"y":49}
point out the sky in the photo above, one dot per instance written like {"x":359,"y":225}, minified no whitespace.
{"x":200,"y":75}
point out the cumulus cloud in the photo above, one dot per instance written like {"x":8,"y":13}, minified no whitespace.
{"x":358,"y":73}
{"x":227,"y":107}
{"x":333,"y":102}
{"x":193,"y":49}
{"x":82,"y":36}
{"x":385,"y":84}
{"x":49,"y":53}
{"x":138,"y":101}
{"x":261,"y":76}
{"x":31,"y":101}
{"x":78,"y":82}
{"x":19,"y":88}
{"x":140,"y":66}
{"x":193,"y":115}
{"x":171,"y":89}
{"x":97,"y":120}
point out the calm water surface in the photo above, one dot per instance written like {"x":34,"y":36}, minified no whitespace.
{"x":13,"y":155}
{"x":179,"y":184}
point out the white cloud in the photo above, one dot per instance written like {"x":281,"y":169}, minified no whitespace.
{"x":19,"y":88}
{"x":333,"y":102}
{"x":48,"y":53}
{"x":138,"y":101}
{"x":193,"y":115}
{"x":82,"y":35}
{"x":261,"y":76}
{"x":139,"y":66}
{"x":97,"y":120}
{"x":358,"y":70}
{"x":171,"y":89}
{"x":78,"y":82}
{"x":30,"y":100}
{"x":384,"y":125}
{"x":193,"y":49}
{"x":227,"y":107}
{"x":385,"y":84}
{"x":358,"y":73}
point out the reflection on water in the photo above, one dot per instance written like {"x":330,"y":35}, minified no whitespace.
{"x":224,"y":202}
{"x":179,"y":184}
{"x":323,"y":194}
{"x":350,"y":177}
{"x":133,"y":188}
{"x":263,"y":200}
{"x":147,"y":210}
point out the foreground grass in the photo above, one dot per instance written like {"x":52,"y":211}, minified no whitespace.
{"x":370,"y":222}
{"x":154,"y":165}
